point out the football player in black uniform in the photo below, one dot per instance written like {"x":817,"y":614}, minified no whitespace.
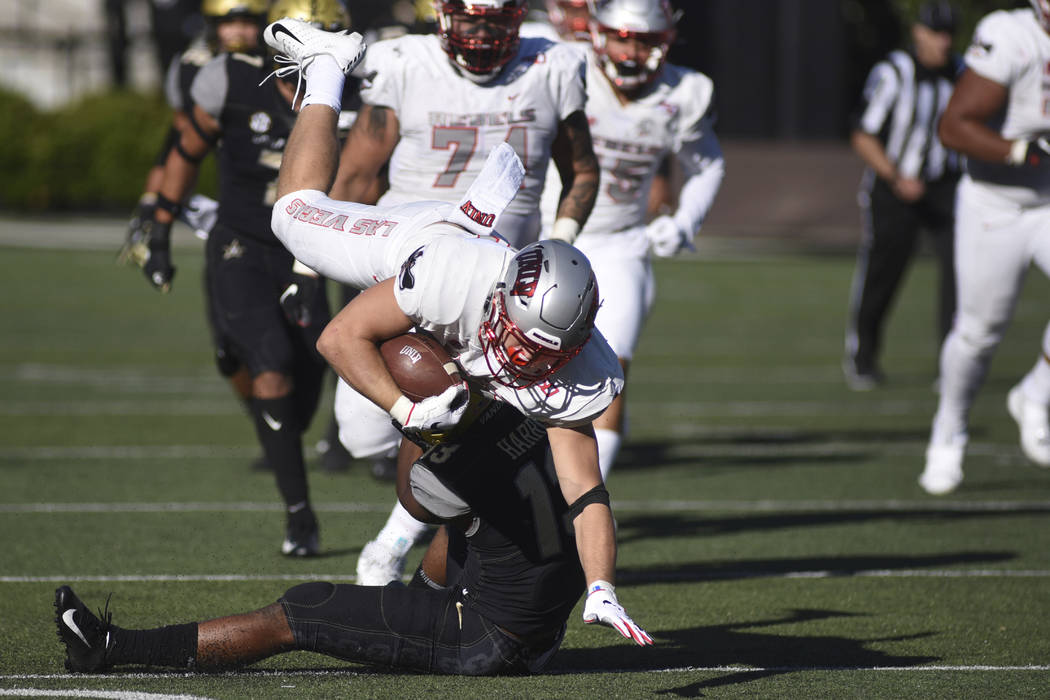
{"x":232,"y":26}
{"x":266,"y":309}
{"x":492,"y":595}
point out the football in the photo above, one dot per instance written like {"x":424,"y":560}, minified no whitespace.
{"x":419,"y":365}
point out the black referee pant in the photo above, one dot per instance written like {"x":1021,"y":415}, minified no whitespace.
{"x":890,"y":233}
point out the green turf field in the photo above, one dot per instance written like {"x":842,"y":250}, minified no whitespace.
{"x":773,"y":538}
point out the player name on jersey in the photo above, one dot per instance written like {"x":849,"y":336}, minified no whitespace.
{"x":523,"y":116}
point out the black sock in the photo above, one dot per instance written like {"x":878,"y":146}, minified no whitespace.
{"x":277,"y":427}
{"x":174,"y":646}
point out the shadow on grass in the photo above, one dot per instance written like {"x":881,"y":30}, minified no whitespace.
{"x":813,"y":566}
{"x":660,"y":525}
{"x":651,"y":453}
{"x":739,"y":644}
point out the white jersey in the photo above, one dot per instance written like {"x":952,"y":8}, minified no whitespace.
{"x":1012,"y":49}
{"x":631,"y":140}
{"x":444,"y":279}
{"x":449,"y":123}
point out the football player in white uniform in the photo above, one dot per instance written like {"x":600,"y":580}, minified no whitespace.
{"x":640,"y":109}
{"x":435,"y":106}
{"x":998,"y":117}
{"x":518,"y":324}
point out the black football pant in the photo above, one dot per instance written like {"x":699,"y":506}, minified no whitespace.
{"x":412,"y":628}
{"x":890,"y":236}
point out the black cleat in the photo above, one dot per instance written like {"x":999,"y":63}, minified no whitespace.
{"x":301,"y":538}
{"x":86,"y":637}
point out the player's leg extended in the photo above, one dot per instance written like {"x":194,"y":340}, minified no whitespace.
{"x":990,"y":263}
{"x":889,"y":235}
{"x":1028,"y":402}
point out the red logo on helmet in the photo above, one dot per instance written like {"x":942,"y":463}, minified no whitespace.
{"x":529,"y":264}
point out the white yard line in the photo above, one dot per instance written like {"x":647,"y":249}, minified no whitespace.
{"x":982,"y":668}
{"x":99,"y":693}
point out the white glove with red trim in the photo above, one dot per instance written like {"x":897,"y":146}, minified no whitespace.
{"x":602,"y":607}
{"x":439,"y":412}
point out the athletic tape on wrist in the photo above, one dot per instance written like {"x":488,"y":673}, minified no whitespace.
{"x":1018,"y":149}
{"x":402,"y":410}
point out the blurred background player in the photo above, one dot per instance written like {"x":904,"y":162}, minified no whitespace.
{"x":640,"y":109}
{"x":997,"y":117}
{"x":908,"y":185}
{"x":494,"y":87}
{"x":268,"y":310}
{"x":231,"y":26}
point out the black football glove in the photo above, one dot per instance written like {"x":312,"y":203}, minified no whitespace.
{"x":158,"y":268}
{"x":135,"y":249}
{"x":298,"y":298}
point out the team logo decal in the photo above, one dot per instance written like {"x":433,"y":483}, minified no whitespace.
{"x":528,"y":273}
{"x":260,"y":122}
{"x":407,"y":280}
{"x":234,"y":250}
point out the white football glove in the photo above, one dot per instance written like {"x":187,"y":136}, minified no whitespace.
{"x":666,"y":238}
{"x":602,"y":606}
{"x":434,"y":413}
{"x":200,"y":214}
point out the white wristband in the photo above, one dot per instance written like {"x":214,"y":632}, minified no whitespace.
{"x":600,"y":585}
{"x":565,"y":229}
{"x":300,"y":269}
{"x":1018,"y":149}
{"x":402,"y":409}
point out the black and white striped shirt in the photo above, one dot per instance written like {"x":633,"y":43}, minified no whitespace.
{"x":901,"y":105}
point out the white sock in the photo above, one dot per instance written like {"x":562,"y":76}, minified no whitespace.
{"x":963,"y":369}
{"x":608,"y":448}
{"x":401,"y":530}
{"x":1036,"y":384}
{"x":324,"y":82}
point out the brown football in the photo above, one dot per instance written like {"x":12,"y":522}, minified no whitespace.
{"x":418,"y":364}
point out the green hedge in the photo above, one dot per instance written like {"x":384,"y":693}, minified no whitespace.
{"x":92,"y":155}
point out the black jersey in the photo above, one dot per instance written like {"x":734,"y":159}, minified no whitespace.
{"x":255,"y":121}
{"x":183,"y":70}
{"x":521,"y":568}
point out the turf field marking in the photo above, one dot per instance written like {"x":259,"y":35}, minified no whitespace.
{"x":77,"y":693}
{"x":977,"y":668}
{"x":761,"y":506}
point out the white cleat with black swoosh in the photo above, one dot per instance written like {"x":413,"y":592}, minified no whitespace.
{"x":86,"y":637}
{"x":299,"y":43}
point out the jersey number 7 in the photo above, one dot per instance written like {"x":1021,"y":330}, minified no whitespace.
{"x":463,"y":142}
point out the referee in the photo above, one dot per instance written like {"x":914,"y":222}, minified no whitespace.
{"x":908,"y":184}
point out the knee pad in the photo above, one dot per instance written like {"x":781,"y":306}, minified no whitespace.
{"x":309,"y":595}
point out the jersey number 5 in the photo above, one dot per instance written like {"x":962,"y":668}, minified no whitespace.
{"x":463,"y":142}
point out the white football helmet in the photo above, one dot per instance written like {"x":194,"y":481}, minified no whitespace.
{"x":544,"y":307}
{"x":650,"y":22}
{"x":569,"y":19}
{"x":1042,"y":12}
{"x":480,"y":36}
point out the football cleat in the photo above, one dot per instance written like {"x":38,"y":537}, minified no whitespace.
{"x":378,"y":565}
{"x":1033,"y":425}
{"x":301,"y":537}
{"x":943,"y":472}
{"x":298,"y":43}
{"x":86,"y":637}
